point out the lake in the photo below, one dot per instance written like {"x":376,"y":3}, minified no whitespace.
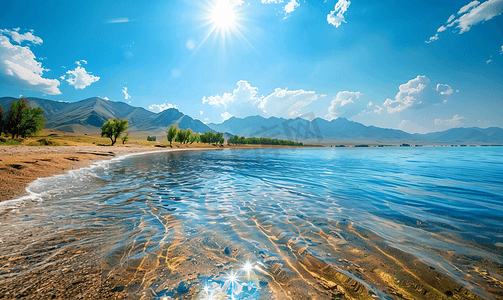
{"x":313,"y":223}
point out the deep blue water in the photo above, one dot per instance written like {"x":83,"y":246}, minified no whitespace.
{"x":424,"y":201}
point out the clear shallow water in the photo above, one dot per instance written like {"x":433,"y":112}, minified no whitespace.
{"x":176,"y":221}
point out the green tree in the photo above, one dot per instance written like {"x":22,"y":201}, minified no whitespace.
{"x":32,"y":121}
{"x":194,"y":138}
{"x":113,"y":128}
{"x":14,"y":117}
{"x":180,"y":136}
{"x":171,"y":133}
{"x":188,"y":132}
{"x":125,"y":138}
{"x":203,"y":138}
{"x":2,"y":113}
{"x":219,"y":138}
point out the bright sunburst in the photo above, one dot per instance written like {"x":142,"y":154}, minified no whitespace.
{"x":223,"y":14}
{"x":224,"y":19}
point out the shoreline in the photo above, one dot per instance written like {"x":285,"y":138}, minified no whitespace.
{"x":22,"y":165}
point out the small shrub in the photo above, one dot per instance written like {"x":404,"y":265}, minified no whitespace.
{"x":10,"y":143}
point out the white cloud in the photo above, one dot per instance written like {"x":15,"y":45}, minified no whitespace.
{"x":244,"y":101}
{"x":126,"y":95}
{"x":473,"y":13}
{"x":340,"y":8}
{"x":343,"y":105}
{"x":291,"y":6}
{"x":271,"y":1}
{"x":416,"y":94}
{"x":468,"y":7}
{"x":201,"y":112}
{"x":501,"y":51}
{"x":444,"y":89}
{"x":488,"y":61}
{"x":106,"y":98}
{"x":19,"y":38}
{"x":411,"y":127}
{"x":483,"y":12}
{"x":19,"y":67}
{"x":455,"y":121}
{"x":79,"y":62}
{"x":285,"y":103}
{"x":243,"y":93}
{"x":433,"y":38}
{"x":80,"y":79}
{"x":225,"y":116}
{"x":160,"y":107}
{"x":118,"y":20}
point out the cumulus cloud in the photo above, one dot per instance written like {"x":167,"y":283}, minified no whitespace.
{"x":18,"y":64}
{"x":340,"y":8}
{"x":343,"y":105}
{"x":106,"y":98}
{"x":471,"y":14}
{"x":416,"y":94}
{"x":291,"y":6}
{"x":80,"y":62}
{"x":19,"y":38}
{"x":243,"y":93}
{"x":225,"y":116}
{"x":411,"y":127}
{"x":126,"y":95}
{"x":80,"y":78}
{"x":271,"y":1}
{"x":160,"y":107}
{"x":455,"y":121}
{"x":244,"y":101}
{"x":444,"y":89}
{"x":501,"y":51}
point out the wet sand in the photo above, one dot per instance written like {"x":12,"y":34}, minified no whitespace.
{"x":20,"y":165}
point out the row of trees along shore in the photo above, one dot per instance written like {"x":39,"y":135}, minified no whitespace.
{"x":261,"y":141}
{"x":190,"y":137}
{"x":21,"y":119}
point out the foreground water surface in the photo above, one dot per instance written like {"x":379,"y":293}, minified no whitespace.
{"x":316,"y":223}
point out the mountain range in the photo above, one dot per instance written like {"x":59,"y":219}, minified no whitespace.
{"x":87,"y":116}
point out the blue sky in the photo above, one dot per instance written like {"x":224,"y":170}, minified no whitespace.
{"x":420,"y":67}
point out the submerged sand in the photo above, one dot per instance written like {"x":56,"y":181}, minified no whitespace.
{"x":65,"y":264}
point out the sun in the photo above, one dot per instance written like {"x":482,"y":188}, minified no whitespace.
{"x":223,"y":15}
{"x":224,"y":19}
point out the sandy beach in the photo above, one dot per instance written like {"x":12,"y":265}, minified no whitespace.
{"x":21,"y":165}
